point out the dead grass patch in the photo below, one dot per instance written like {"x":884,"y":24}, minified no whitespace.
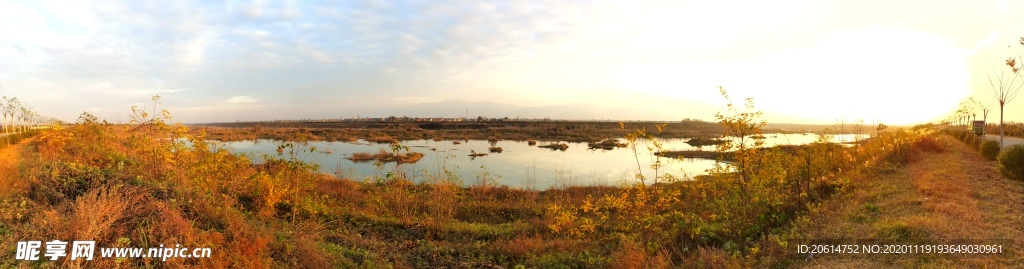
{"x":385,"y":156}
{"x":554,"y":146}
{"x":384,"y":139}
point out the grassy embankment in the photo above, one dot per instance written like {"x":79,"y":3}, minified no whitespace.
{"x":141,"y":187}
{"x":15,"y":138}
{"x":948,"y":193}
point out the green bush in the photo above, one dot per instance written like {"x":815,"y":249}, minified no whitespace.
{"x":990,"y":149}
{"x":1011,"y":162}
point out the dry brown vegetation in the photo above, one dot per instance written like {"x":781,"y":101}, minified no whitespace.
{"x":553,"y":146}
{"x":386,"y":157}
{"x":383,"y":139}
{"x":476,"y":154}
{"x":712,"y":155}
{"x":607,"y":144}
{"x":702,"y":141}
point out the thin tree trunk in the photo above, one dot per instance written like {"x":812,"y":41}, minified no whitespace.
{"x":1000,"y":126}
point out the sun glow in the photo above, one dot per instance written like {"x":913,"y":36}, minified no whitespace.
{"x":895,"y":75}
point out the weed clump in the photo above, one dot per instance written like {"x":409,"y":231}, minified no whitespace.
{"x":558,"y":146}
{"x":384,"y":139}
{"x":607,"y":144}
{"x":927,"y":144}
{"x":962,"y":135}
{"x":700,"y":141}
{"x":473,"y":153}
{"x":384,"y":156}
{"x":1011,"y":162}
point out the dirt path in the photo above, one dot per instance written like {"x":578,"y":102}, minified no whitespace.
{"x":1001,"y":201}
{"x":939,"y":198}
{"x":9,"y":157}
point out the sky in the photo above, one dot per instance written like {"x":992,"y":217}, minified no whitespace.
{"x":898,"y":62}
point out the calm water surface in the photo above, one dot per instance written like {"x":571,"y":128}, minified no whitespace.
{"x":518,"y":165}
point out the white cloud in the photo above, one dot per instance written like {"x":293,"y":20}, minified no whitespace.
{"x":193,"y":52}
{"x":245,"y":99}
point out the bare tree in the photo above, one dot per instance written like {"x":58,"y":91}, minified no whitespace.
{"x":984,"y":112}
{"x":20,"y":117}
{"x":3,"y":112}
{"x":3,"y":109}
{"x":18,"y":114}
{"x":10,"y":109}
{"x":15,"y":116}
{"x":1006,"y":86}
{"x":965,"y":113}
{"x":959,"y":115}
{"x":23,"y":117}
{"x":972,"y":108}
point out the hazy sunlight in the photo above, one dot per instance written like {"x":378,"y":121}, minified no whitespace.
{"x":896,"y":75}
